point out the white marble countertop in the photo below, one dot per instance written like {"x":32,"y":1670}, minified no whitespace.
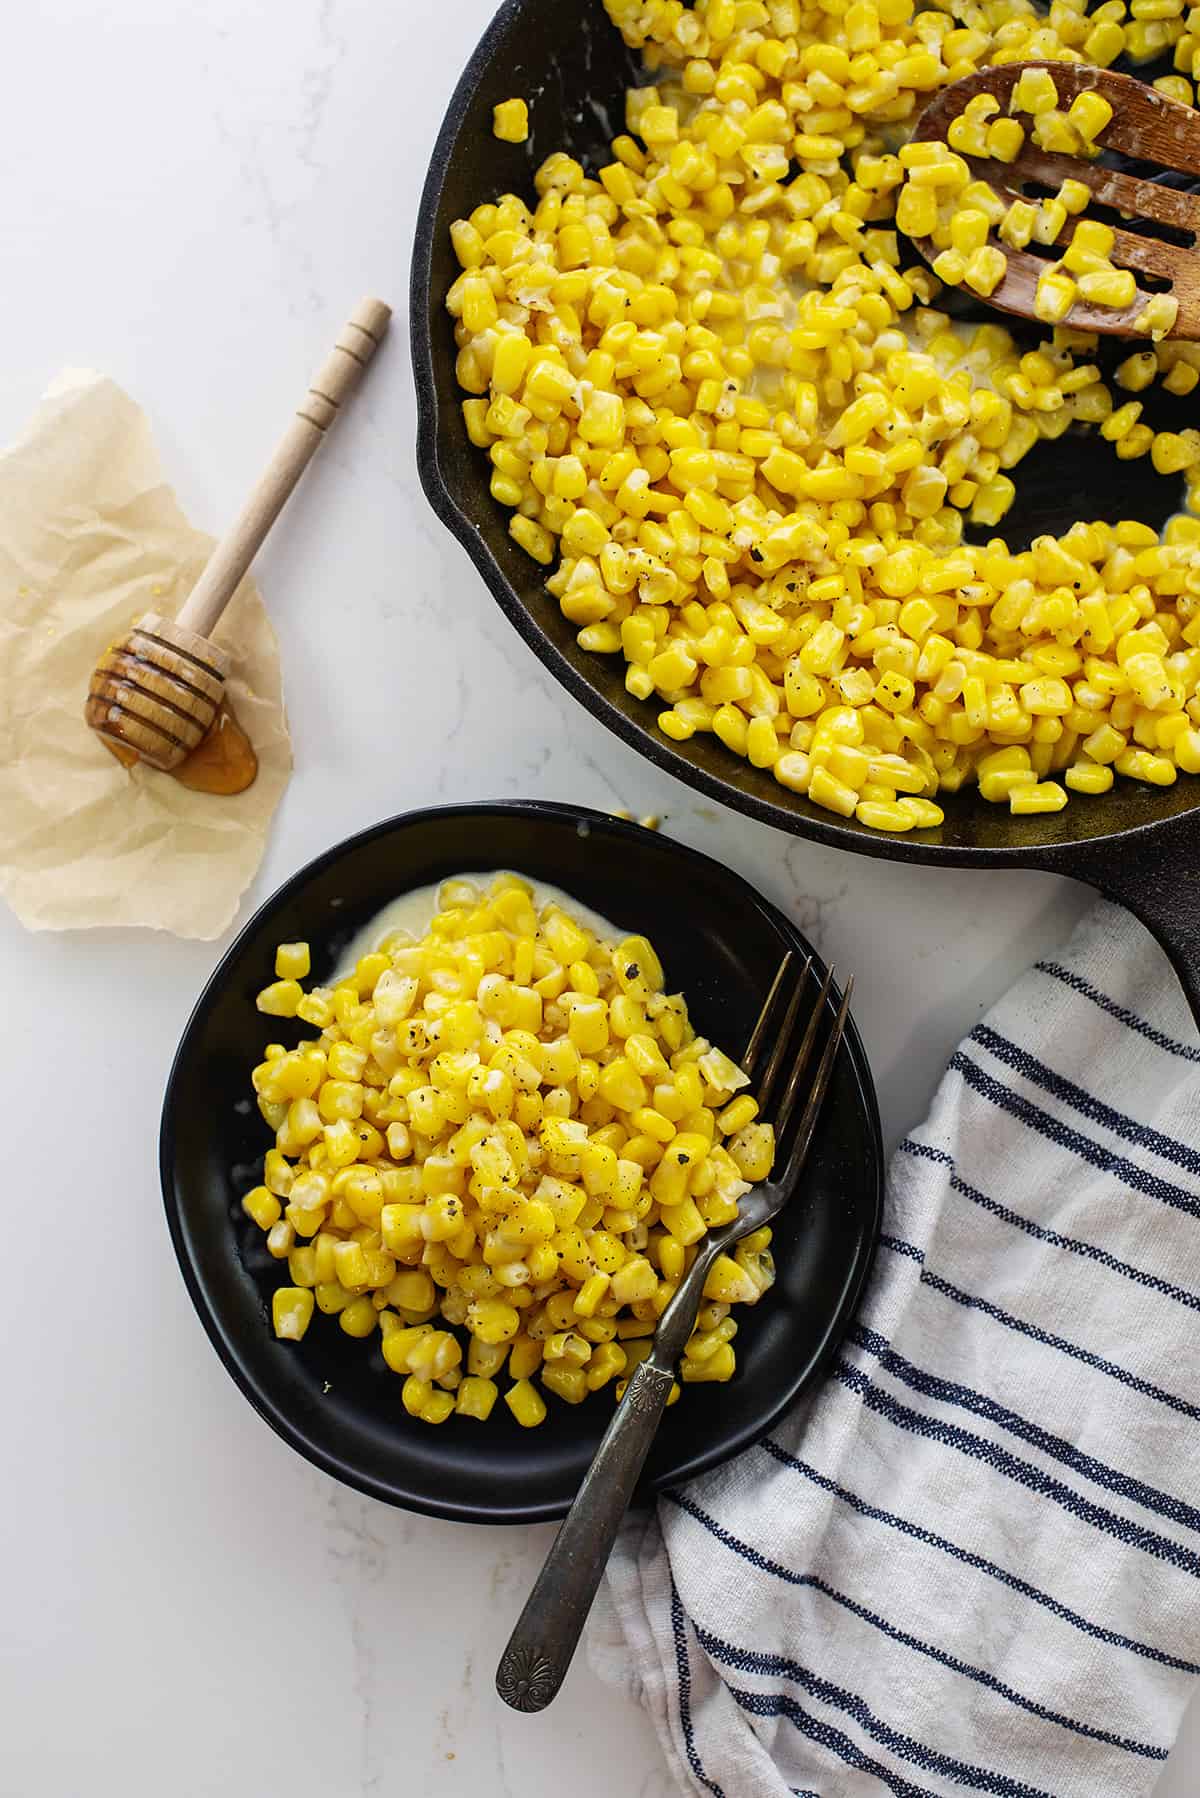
{"x":195,"y":192}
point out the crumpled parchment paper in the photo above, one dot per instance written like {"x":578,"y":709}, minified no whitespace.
{"x":91,"y":536}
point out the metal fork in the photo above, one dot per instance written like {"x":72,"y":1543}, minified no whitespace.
{"x":547,"y":1633}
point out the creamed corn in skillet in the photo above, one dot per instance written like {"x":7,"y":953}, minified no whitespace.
{"x":726,"y":413}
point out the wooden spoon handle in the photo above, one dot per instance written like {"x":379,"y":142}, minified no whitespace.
{"x":357,"y":342}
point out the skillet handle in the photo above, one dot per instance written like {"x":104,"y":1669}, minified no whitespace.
{"x":1157,"y":878}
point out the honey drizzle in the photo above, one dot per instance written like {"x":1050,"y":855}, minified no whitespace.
{"x":223,"y":762}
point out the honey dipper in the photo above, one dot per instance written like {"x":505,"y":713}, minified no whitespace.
{"x":157,"y":691}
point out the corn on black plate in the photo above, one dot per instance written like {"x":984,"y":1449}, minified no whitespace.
{"x":332,"y":1397}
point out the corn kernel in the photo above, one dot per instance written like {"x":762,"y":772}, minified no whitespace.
{"x":985,"y":269}
{"x":1005,"y":138}
{"x":1137,"y":371}
{"x":475,"y":1397}
{"x":1035,"y":91}
{"x":1044,"y":796}
{"x":719,"y":1367}
{"x":1157,"y":319}
{"x":1089,"y":112}
{"x":1113,"y":287}
{"x":280,"y":999}
{"x":263,"y":1207}
{"x":1088,"y":777}
{"x":1054,"y":296}
{"x":526,"y":1404}
{"x":293,"y":961}
{"x":1016,"y":227}
{"x":510,"y":121}
{"x":1171,"y":452}
{"x":1051,"y":217}
{"x":291,"y":1312}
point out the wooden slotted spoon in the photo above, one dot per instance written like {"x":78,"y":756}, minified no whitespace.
{"x":1145,"y":126}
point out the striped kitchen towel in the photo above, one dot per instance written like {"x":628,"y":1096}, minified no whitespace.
{"x":971,"y":1561}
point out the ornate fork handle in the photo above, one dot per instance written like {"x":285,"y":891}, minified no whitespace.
{"x":547,"y":1633}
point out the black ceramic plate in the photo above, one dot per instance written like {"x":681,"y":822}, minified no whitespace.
{"x":333,"y":1398}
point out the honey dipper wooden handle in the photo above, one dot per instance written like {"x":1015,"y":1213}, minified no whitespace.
{"x":357,"y":342}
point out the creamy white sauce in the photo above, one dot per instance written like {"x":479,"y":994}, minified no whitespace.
{"x":415,"y":911}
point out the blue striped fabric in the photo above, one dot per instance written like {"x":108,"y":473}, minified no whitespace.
{"x":971,"y":1561}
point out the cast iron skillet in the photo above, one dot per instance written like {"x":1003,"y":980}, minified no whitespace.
{"x":332,"y":1398}
{"x":1138,"y":844}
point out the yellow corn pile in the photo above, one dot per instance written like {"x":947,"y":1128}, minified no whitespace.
{"x":508,"y":1127}
{"x":720,"y":402}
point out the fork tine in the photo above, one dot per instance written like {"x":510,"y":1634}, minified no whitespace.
{"x":803,"y":1056}
{"x":775,"y":1060}
{"x":820,"y":1085}
{"x":758,"y":1035}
